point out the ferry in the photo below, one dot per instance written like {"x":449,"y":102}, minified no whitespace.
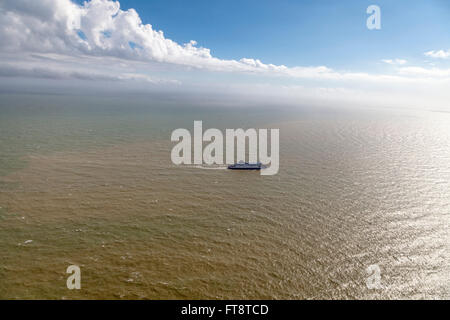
{"x":245,"y":166}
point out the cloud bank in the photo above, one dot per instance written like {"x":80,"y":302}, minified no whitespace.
{"x":440,"y":54}
{"x":101,"y":28}
{"x":394,"y":61}
{"x":98,"y":41}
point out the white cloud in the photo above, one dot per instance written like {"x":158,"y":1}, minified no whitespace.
{"x":58,"y":39}
{"x":430,"y":72}
{"x":441,"y":54}
{"x":101,"y":28}
{"x":8,"y":70}
{"x":394,"y":61}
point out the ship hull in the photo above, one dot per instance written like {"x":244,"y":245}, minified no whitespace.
{"x":245,"y":166}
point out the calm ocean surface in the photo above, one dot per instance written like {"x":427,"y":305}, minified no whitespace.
{"x":91,"y":183}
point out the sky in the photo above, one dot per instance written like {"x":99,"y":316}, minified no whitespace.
{"x":287,"y":52}
{"x":307,"y":32}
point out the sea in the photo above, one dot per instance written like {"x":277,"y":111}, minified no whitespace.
{"x":360,"y":207}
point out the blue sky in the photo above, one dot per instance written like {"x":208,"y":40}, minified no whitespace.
{"x":303,"y":32}
{"x":297,"y":52}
